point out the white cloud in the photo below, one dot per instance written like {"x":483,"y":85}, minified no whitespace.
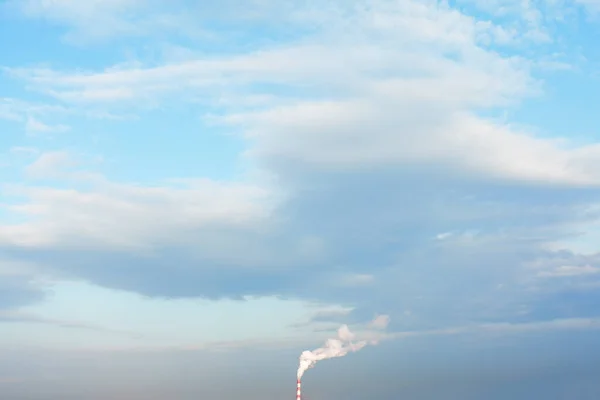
{"x":380,"y":322}
{"x":357,"y":280}
{"x":121,"y":215}
{"x":444,"y":236}
{"x":19,"y":110}
{"x":97,"y":20}
{"x":399,"y":39}
{"x":570,"y":270}
{"x":391,"y":78}
{"x":49,"y":164}
{"x":35,"y":126}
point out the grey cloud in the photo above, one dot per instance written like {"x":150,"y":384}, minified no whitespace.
{"x":18,"y":291}
{"x":395,"y":211}
{"x":171,"y":272}
{"x":382,"y":223}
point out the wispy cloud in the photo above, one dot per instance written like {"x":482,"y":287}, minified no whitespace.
{"x":373,"y":334}
{"x":49,"y":164}
{"x":97,"y":20}
{"x":24,"y":317}
{"x":570,"y":270}
{"x":34,"y":126}
{"x":18,"y":110}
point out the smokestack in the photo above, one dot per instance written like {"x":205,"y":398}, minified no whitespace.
{"x":336,"y":347}
{"x":298,"y":391}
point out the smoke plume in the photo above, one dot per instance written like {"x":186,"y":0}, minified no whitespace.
{"x":338,"y":347}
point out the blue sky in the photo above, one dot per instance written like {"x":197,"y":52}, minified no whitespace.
{"x":201,"y":186}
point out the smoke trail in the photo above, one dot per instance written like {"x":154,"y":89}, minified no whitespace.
{"x":337,"y":347}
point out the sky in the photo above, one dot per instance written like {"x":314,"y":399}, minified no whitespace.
{"x":194,"y":192}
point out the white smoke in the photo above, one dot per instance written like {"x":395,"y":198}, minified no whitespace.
{"x":338,"y":347}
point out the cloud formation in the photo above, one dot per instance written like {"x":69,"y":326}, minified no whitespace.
{"x":380,"y":174}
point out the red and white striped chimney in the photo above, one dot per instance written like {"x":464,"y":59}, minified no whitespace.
{"x":298,"y":392}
